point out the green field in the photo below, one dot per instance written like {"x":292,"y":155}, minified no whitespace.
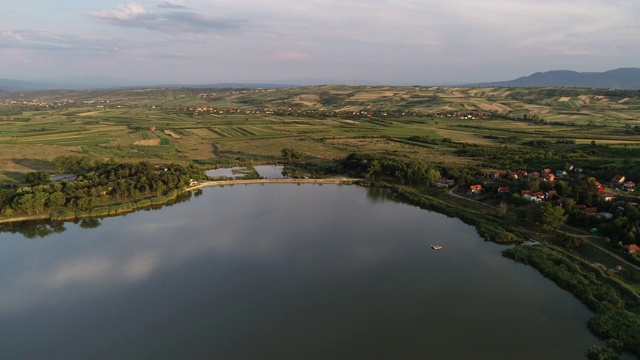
{"x":326,"y":122}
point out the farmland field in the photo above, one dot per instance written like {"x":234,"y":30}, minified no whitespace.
{"x":326,"y":122}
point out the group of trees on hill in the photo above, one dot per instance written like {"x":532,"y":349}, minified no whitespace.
{"x":410,"y":172}
{"x":98,"y":183}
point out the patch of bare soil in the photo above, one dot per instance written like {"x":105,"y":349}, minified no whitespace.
{"x":151,"y":142}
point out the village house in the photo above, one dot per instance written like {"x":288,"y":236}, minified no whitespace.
{"x":629,"y":186}
{"x":503,"y":189}
{"x":444,"y":183}
{"x":632,"y":248}
{"x":475,"y":189}
{"x":536,"y":197}
{"x":512,"y":176}
{"x":617,"y":180}
{"x":599,"y":187}
{"x":591,"y":210}
{"x":548,"y":176}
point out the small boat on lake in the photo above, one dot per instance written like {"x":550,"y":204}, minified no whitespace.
{"x":436,"y":247}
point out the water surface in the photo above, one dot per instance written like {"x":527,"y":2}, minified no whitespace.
{"x":270,"y":171}
{"x":225,"y":172}
{"x":279,"y":271}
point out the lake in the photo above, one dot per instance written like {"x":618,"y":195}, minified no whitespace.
{"x":279,"y":271}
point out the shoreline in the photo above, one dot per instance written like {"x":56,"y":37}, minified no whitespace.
{"x":207,"y":183}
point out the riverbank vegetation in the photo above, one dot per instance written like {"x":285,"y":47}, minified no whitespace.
{"x":616,"y":304}
{"x":98,"y":189}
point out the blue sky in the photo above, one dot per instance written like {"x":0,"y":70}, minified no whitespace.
{"x":399,"y":42}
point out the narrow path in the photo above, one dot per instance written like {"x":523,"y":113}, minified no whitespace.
{"x":611,"y":253}
{"x":341,"y":180}
{"x":585,"y":235}
{"x":25,"y":218}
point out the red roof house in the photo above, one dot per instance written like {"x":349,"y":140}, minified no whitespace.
{"x":632,"y":248}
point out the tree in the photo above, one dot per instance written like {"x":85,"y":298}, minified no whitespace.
{"x":290,"y":155}
{"x":85,"y":203}
{"x":37,"y":178}
{"x":602,"y":353}
{"x":374,"y":169}
{"x":569,"y":241}
{"x":39,"y":200}
{"x":432,"y":176}
{"x":56,"y":199}
{"x":551,"y":217}
{"x":24,"y":203}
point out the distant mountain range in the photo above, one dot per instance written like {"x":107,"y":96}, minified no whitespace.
{"x":623,"y":78}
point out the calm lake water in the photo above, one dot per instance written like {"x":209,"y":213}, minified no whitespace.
{"x":279,"y":271}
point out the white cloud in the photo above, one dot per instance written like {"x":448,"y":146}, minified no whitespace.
{"x":126,"y":12}
{"x":172,"y":20}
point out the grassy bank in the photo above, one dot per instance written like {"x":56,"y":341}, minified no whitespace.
{"x":616,"y":304}
{"x":489,"y":227}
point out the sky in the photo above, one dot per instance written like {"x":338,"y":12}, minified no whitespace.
{"x":391,"y":42}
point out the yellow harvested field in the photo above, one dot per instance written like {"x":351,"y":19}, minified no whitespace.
{"x":623,"y":101}
{"x":150,"y":142}
{"x":565,"y":98}
{"x":172,"y":134}
{"x":608,"y":142}
{"x":372,"y":95}
{"x":87,"y":113}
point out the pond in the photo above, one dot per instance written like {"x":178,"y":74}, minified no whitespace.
{"x":279,"y":271}
{"x":231,"y":172}
{"x":270,"y":171}
{"x":265,"y":171}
